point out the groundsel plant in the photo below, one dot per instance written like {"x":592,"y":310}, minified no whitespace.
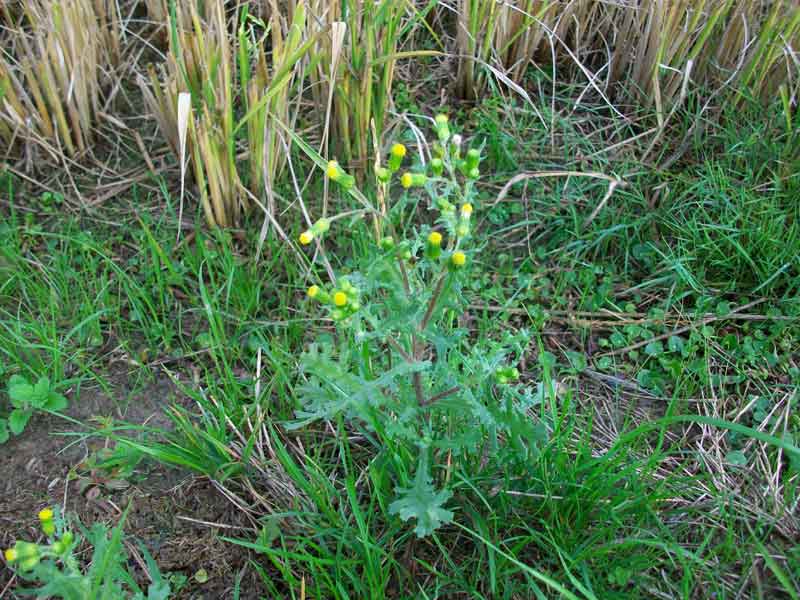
{"x":403,"y":369}
{"x":55,"y":563}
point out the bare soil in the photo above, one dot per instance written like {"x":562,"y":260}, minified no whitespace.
{"x":170,"y":513}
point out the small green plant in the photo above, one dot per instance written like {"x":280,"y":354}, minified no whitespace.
{"x":402,"y":367}
{"x":55,"y":564}
{"x":27,"y":398}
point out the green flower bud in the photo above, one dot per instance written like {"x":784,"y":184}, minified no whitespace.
{"x":26,"y":549}
{"x":473,"y":159}
{"x":337,"y":174}
{"x":442,"y":128}
{"x":455,"y":146}
{"x":473,"y":173}
{"x":433,"y":247}
{"x":387,"y":243}
{"x":437,"y":167}
{"x":413,"y":180}
{"x":444,"y":205}
{"x":321,"y":227}
{"x":383,"y":174}
{"x":396,"y":155}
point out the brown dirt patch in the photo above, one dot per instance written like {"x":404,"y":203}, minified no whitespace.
{"x":35,"y":470}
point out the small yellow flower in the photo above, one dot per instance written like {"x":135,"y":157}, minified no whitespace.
{"x":398,"y":150}
{"x":406,"y":180}
{"x":340,"y":298}
{"x":306,"y":237}
{"x":313,"y":291}
{"x":435,"y":238}
{"x":466,"y":210}
{"x":46,"y":514}
{"x":333,"y":170}
{"x":11,"y":555}
{"x":459,"y":259}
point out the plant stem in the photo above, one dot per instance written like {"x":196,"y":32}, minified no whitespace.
{"x":433,"y":301}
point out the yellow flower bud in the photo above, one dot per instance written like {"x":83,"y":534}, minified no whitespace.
{"x":433,"y":249}
{"x":413,"y":179}
{"x":333,"y":171}
{"x":459,"y":259}
{"x":321,"y":226}
{"x":340,"y":299}
{"x":337,"y":174}
{"x":306,"y":237}
{"x":396,"y":155}
{"x":466,"y":210}
{"x":46,"y":514}
{"x":10,"y":555}
{"x":313,"y":291}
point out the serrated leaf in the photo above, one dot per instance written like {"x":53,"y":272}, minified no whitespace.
{"x":423,"y":503}
{"x":18,"y":419}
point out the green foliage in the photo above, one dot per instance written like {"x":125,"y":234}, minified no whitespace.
{"x":401,"y":367}
{"x":26,"y":399}
{"x":422,"y":502}
{"x":55,"y":565}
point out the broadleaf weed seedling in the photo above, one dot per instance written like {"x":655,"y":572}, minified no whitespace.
{"x":56,"y":565}
{"x":402,"y":367}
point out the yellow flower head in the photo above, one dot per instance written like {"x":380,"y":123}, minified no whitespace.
{"x":435,"y":238}
{"x":46,"y":514}
{"x":398,"y":150}
{"x":11,"y":555}
{"x":406,"y":180}
{"x":466,"y":210}
{"x":313,"y":291}
{"x":441,"y":119}
{"x":459,"y":259}
{"x":340,"y":298}
{"x":333,"y":171}
{"x":306,"y":237}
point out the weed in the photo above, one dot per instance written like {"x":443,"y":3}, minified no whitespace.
{"x":56,"y":565}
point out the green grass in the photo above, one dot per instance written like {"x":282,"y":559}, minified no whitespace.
{"x":672,"y":420}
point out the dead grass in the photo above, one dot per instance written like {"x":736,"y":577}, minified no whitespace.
{"x":51,"y":90}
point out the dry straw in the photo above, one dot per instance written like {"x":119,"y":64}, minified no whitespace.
{"x":51,"y":93}
{"x":238,"y":91}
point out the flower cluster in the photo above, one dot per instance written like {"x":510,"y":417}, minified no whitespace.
{"x":439,"y":180}
{"x":317,"y":230}
{"x":27,"y":554}
{"x":342,"y":300}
